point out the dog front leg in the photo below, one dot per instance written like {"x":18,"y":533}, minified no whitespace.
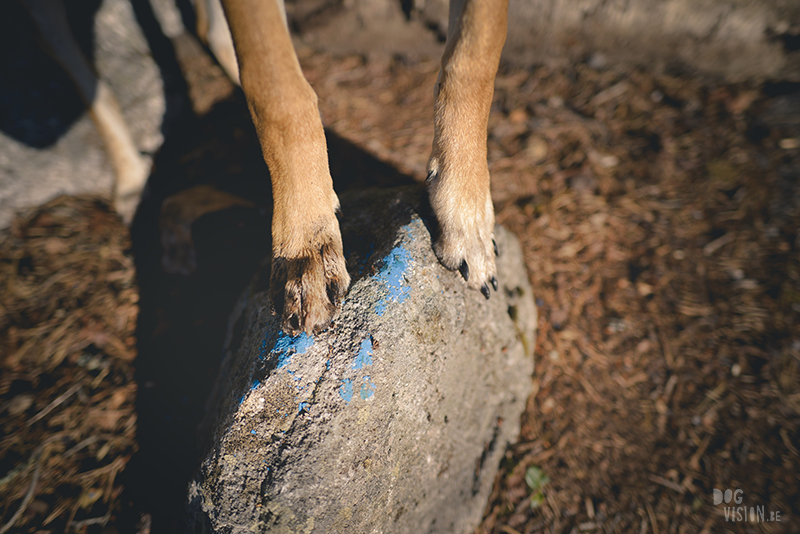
{"x":308,"y":277}
{"x":458,"y":172}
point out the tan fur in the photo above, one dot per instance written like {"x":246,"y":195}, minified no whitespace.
{"x":309,"y":277}
{"x":458,"y":173}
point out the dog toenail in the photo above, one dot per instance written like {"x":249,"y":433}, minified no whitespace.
{"x":493,"y":280}
{"x":464,"y":270}
{"x":496,"y":252}
{"x":485,"y":291}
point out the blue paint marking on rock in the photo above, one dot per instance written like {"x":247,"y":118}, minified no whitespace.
{"x":284,"y":348}
{"x":367,"y":388}
{"x":364,"y":356}
{"x":296,"y":377}
{"x":346,"y":390}
{"x":395,"y":264}
{"x":287,"y":346}
{"x":362,"y":360}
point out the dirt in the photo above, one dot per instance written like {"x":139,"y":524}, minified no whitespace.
{"x":659,"y":219}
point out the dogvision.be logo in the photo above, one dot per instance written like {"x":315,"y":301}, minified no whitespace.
{"x":735,"y":511}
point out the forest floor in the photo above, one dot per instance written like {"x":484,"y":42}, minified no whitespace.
{"x":659,"y":217}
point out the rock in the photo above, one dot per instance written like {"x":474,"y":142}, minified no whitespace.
{"x":729,"y":39}
{"x":395,"y":418}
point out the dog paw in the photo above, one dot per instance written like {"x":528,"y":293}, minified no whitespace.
{"x":466,"y":234}
{"x":306,"y":289}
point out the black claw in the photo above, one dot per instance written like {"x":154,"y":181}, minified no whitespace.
{"x":496,"y":252}
{"x":493,"y":280}
{"x":485,"y":291}
{"x":294,"y":322}
{"x":332,"y":290}
{"x":464,"y":270}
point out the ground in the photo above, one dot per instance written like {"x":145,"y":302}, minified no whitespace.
{"x":659,"y":220}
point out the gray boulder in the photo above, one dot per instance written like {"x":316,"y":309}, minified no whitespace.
{"x":395,"y":418}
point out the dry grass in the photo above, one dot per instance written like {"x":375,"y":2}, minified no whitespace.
{"x":663,"y":246}
{"x":67,"y":318}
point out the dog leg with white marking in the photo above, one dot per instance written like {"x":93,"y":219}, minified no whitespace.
{"x":458,"y":171}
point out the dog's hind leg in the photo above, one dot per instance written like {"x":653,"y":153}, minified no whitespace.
{"x":130,"y":168}
{"x":308,"y":277}
{"x":212,"y":27}
{"x":458,"y":173}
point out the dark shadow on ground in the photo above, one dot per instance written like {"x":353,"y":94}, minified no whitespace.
{"x":38,"y":101}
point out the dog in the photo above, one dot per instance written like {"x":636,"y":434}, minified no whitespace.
{"x":251,"y":41}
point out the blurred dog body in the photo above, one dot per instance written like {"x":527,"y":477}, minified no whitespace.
{"x":131,"y":170}
{"x":251,"y":41}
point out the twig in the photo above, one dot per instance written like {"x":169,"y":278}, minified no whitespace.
{"x":73,"y":512}
{"x":667,"y":483}
{"x":707,"y":525}
{"x":786,"y":441}
{"x":652,"y":517}
{"x":665,"y":343}
{"x":14,"y":472}
{"x":694,"y":461}
{"x":29,"y":494}
{"x":57,"y":511}
{"x":77,"y":525}
{"x":114,"y":466}
{"x":59,"y":400}
{"x":718,"y":243}
{"x":85,"y":443}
